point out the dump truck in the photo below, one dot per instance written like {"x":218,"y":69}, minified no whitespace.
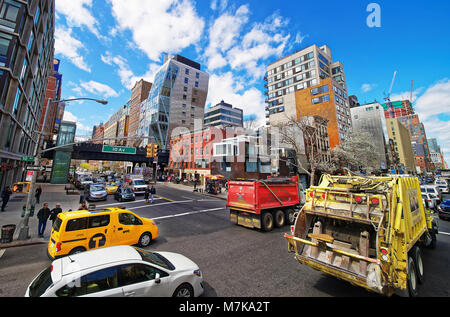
{"x":368,"y":231}
{"x":263,"y":204}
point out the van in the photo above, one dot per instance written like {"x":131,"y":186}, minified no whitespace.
{"x":78,"y":231}
{"x":137,"y":185}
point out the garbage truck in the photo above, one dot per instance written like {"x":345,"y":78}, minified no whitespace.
{"x":368,"y":231}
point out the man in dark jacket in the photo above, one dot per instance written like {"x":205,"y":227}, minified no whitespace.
{"x":152,"y":193}
{"x":43,"y":215}
{"x":55,"y":212}
{"x":5,"y":196}
{"x":38,"y":194}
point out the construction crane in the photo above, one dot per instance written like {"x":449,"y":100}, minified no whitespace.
{"x":388,"y":98}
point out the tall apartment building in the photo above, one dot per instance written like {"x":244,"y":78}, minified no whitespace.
{"x":401,"y":147}
{"x":26,"y":62}
{"x":309,"y":83}
{"x":139,"y":93}
{"x":55,"y":111}
{"x":117,"y":127}
{"x":177,"y":98}
{"x":224,"y":114}
{"x":418,"y":135}
{"x":367,"y":118}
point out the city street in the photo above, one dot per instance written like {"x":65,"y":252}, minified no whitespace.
{"x":235,"y":261}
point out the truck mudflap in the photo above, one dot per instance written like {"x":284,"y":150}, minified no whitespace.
{"x":322,"y":255}
{"x":245,"y":219}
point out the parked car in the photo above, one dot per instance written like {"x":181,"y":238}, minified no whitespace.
{"x":95,"y":192}
{"x":124,"y":194}
{"x":119,"y":271}
{"x":444,"y":210}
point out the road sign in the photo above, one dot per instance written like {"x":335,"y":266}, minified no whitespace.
{"x":118,"y":149}
{"x":27,"y":159}
{"x":36,"y":168}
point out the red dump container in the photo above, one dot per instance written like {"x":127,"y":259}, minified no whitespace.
{"x":263,"y":204}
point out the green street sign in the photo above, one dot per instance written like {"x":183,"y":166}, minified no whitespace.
{"x":118,"y":149}
{"x":27,"y":159}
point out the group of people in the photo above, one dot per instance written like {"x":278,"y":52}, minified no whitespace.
{"x":149,"y":193}
{"x":44,"y":214}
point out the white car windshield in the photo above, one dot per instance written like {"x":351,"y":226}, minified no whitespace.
{"x":139,"y":182}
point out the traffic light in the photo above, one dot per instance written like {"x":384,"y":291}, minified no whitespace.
{"x":155,"y":150}
{"x":150,"y":150}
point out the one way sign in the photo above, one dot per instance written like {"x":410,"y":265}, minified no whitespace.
{"x":36,"y":168}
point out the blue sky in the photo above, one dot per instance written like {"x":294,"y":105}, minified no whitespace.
{"x":107,"y":45}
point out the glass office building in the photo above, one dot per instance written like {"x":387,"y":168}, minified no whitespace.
{"x":176,"y":99}
{"x":26,"y":62}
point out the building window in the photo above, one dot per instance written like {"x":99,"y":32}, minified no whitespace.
{"x":186,"y":80}
{"x":187,"y":71}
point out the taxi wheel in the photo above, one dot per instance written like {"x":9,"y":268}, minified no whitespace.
{"x":77,"y":250}
{"x":145,"y":239}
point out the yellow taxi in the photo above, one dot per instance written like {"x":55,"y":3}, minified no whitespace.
{"x":21,"y":187}
{"x":78,"y":231}
{"x":111,"y":188}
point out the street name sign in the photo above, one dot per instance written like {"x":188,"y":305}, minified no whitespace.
{"x":36,"y":168}
{"x":27,"y":159}
{"x":118,"y":149}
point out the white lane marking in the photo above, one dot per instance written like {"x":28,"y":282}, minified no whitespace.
{"x":188,"y":213}
{"x":444,"y":233}
{"x":156,"y":205}
{"x":127,"y":202}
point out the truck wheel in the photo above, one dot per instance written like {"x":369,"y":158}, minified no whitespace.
{"x":417,"y":256}
{"x":290,"y":217}
{"x":280,"y":218}
{"x":412,"y":278}
{"x":267,"y":222}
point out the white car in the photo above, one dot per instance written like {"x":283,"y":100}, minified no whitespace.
{"x":431,"y":189}
{"x":138,"y":186}
{"x":431,"y":200}
{"x":443,"y":185}
{"x":120,"y":271}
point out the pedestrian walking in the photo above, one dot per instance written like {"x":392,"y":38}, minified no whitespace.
{"x":146,"y":194}
{"x":43,"y":215}
{"x":38,"y":194}
{"x":152,"y":193}
{"x":55,"y":212}
{"x":6,"y":193}
{"x":83,"y":206}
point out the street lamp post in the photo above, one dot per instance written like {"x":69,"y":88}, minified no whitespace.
{"x":24,"y":229}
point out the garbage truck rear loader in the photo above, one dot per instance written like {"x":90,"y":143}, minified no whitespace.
{"x":368,"y":231}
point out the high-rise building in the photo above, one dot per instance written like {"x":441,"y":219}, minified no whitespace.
{"x":116,"y":129}
{"x":309,"y":83}
{"x":353,"y":101}
{"x":402,"y":154}
{"x":53,"y":110}
{"x":98,"y":133}
{"x":368,"y":118}
{"x":418,"y":135}
{"x":433,"y":145}
{"x":177,"y":98}
{"x":398,"y":109}
{"x":26,"y":62}
{"x":224,"y":114}
{"x":139,"y":93}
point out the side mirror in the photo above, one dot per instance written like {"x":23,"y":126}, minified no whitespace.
{"x":157,"y":278}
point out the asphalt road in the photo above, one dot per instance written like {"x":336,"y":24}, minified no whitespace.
{"x":235,"y":261}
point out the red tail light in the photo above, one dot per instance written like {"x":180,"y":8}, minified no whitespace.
{"x":375,"y":201}
{"x":311,"y":194}
{"x":58,"y":247}
{"x":358,"y":199}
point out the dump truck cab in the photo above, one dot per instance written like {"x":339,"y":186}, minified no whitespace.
{"x":365,"y":230}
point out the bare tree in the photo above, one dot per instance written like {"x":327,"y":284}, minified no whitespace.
{"x":306,"y":138}
{"x":356,"y":152}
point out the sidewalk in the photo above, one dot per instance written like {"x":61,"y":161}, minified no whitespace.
{"x":51,"y":194}
{"x":223,"y":195}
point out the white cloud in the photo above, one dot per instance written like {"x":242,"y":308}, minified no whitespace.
{"x":229,"y":45}
{"x":231,"y":90}
{"x":220,"y":5}
{"x":78,"y":14}
{"x":368,"y":87}
{"x":68,"y":116}
{"x":99,"y":89}
{"x":70,"y":48}
{"x":127,"y":77}
{"x":159,"y":26}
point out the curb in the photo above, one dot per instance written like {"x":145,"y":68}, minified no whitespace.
{"x":16,"y":244}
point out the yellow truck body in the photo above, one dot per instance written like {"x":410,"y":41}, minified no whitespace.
{"x":365,"y":230}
